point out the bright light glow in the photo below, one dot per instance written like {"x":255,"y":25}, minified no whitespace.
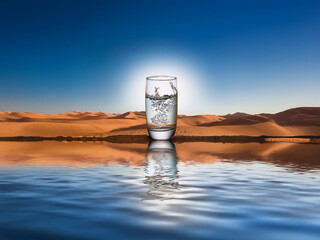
{"x":188,"y":81}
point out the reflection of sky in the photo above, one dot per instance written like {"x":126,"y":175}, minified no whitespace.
{"x":246,"y":193}
{"x":215,"y":201}
{"x":233,"y":56}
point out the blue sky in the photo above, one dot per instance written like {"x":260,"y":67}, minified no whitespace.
{"x":229,"y":56}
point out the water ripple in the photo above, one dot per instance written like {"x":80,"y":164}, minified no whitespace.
{"x":164,"y":199}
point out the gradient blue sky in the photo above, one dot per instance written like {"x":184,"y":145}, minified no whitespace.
{"x":229,"y":56}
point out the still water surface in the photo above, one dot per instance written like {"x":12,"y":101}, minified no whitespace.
{"x":160,"y":191}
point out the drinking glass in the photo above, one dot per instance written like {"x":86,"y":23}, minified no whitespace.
{"x":161,"y":106}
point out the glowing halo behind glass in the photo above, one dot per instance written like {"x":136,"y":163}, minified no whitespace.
{"x":188,"y":85}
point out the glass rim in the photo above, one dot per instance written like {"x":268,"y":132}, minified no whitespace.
{"x":161,"y":78}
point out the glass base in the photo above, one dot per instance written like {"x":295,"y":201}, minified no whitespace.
{"x":161,"y":134}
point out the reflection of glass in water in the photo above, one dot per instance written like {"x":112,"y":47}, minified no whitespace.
{"x":161,"y":169}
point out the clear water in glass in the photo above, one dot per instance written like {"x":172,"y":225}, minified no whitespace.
{"x":161,"y":106}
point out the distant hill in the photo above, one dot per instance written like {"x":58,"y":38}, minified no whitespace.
{"x":130,"y":115}
{"x":303,"y":116}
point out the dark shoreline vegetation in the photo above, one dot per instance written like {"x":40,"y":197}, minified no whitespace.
{"x":177,"y":139}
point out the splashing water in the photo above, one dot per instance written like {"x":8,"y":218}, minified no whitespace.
{"x":161,"y":111}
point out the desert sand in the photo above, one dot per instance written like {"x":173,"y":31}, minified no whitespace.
{"x":304,"y":121}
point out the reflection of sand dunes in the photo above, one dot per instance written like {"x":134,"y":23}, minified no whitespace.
{"x":76,"y":154}
{"x":293,"y":122}
{"x":301,"y":156}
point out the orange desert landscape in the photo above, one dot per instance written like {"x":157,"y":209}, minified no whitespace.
{"x":298,"y":123}
{"x":303,"y":121}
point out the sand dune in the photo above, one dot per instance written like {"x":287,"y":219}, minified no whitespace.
{"x":239,"y":119}
{"x":130,"y":115}
{"x":39,"y":117}
{"x":292,"y":122}
{"x":306,"y":116}
{"x":199,"y":120}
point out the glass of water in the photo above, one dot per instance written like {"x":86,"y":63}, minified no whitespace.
{"x":161,"y":106}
